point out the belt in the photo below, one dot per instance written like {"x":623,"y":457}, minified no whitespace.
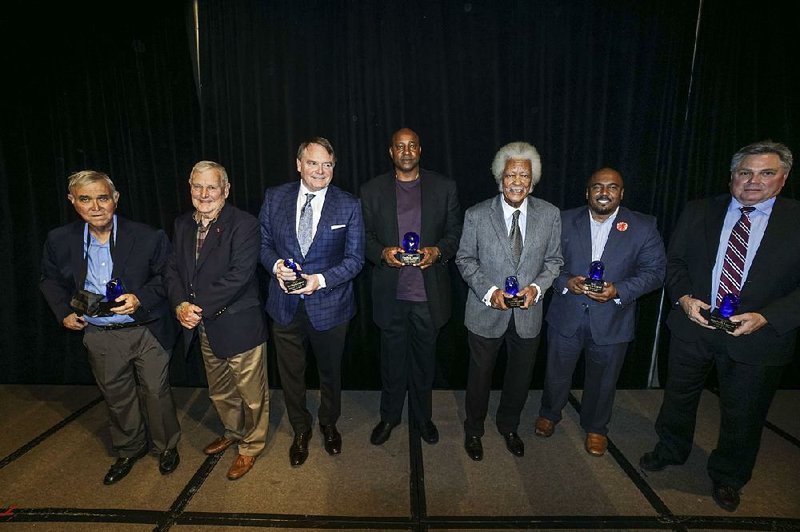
{"x":127,"y":325}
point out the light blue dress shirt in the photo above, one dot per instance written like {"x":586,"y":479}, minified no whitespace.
{"x":99,"y":268}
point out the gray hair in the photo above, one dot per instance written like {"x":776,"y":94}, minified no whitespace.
{"x":203,"y":166}
{"x":764,"y":147}
{"x":85,"y":177}
{"x":517,"y":150}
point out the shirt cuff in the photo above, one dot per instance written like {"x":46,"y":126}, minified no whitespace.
{"x":538,"y":292}
{"x":321,"y":279}
{"x":275,"y":267}
{"x":487,"y":299}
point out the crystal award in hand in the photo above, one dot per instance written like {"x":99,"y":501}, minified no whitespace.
{"x":298,"y":282}
{"x":512,"y":288}
{"x":411,"y":255}
{"x":594,"y":281}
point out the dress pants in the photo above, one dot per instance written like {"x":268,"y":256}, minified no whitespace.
{"x":408,"y":361}
{"x":291,"y":342}
{"x":746,"y":392}
{"x":519,"y":370}
{"x":119,"y":358}
{"x":237,"y":386}
{"x":602,"y":365}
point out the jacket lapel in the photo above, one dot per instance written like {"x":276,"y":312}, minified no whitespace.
{"x":213,"y":236}
{"x":499,"y":225}
{"x":388,"y":210}
{"x":615,"y":238}
{"x":716,"y":218}
{"x":77,"y":260}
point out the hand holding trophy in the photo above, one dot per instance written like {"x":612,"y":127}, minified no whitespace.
{"x":298,"y":282}
{"x":594,"y":281}
{"x":411,"y":255}
{"x":512,"y":288}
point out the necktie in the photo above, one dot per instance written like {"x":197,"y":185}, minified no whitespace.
{"x":516,"y":238}
{"x":730,"y":282}
{"x":305,"y":226}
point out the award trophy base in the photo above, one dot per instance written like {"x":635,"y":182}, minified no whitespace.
{"x":594,"y":286}
{"x":104,"y":308}
{"x":409,"y":259}
{"x":295,"y":284}
{"x":515,"y":301}
{"x":723,"y":324}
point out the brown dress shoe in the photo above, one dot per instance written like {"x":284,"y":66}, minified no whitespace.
{"x":596,"y":444}
{"x":544,"y":427}
{"x":218,"y":445}
{"x":241,"y":466}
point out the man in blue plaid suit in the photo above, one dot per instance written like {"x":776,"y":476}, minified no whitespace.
{"x":319,"y":228}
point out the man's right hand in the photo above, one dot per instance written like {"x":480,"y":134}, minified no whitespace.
{"x":692,"y":307}
{"x":388,"y":256}
{"x":189,"y":315}
{"x":74,"y":322}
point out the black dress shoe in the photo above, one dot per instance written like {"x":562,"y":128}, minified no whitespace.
{"x":381,"y":432}
{"x":726,"y":497}
{"x":514,"y":443}
{"x":429,"y":432}
{"x":298,"y":452}
{"x":652,"y":462}
{"x":333,"y":440}
{"x":121,"y":468}
{"x":474,"y":447}
{"x":168,"y":461}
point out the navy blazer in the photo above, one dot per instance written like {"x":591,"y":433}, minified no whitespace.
{"x":772,"y":287}
{"x":222,"y":281}
{"x":441,"y":222}
{"x":337,"y":252}
{"x":634,"y":261}
{"x":139,"y":255}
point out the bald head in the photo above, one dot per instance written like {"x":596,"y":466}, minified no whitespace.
{"x":405,"y":152}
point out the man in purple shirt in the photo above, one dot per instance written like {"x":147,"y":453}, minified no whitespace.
{"x":410,"y":302}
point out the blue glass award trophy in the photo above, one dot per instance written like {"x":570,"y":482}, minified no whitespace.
{"x":298,"y":282}
{"x":594,"y":281}
{"x":410,"y":255}
{"x":114,"y":288}
{"x":719,"y":318}
{"x":512,"y":288}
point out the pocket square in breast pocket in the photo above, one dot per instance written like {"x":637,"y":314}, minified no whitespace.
{"x":335,"y":227}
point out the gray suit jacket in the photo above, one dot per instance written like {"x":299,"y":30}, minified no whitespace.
{"x":484,"y":260}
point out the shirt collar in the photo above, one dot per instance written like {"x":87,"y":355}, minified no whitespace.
{"x":765,"y":207}
{"x":508,"y":210}
{"x":319,"y":194}
{"x":608,"y":220}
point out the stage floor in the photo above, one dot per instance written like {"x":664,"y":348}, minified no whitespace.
{"x":55,"y":450}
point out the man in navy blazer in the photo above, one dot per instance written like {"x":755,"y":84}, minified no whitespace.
{"x":213,"y":287}
{"x":599,"y":324}
{"x":133,"y":342}
{"x":320,"y":229}
{"x":749,"y":360}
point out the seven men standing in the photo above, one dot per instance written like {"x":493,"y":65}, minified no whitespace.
{"x":410,"y":303}
{"x":213,"y":287}
{"x":317,"y":228}
{"x":600,"y":323}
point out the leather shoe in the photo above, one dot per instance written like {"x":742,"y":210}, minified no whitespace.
{"x":241,"y":466}
{"x":218,"y":445}
{"x":596,"y":444}
{"x":429,"y":432}
{"x":381,"y":432}
{"x":121,"y":468}
{"x":298,"y":452}
{"x":652,"y":462}
{"x":474,"y":447}
{"x":168,"y":461}
{"x":333,"y":440}
{"x":726,"y":497}
{"x":544,"y":427}
{"x":514,"y":443}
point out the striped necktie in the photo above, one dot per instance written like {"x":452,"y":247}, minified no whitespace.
{"x":730,"y":282}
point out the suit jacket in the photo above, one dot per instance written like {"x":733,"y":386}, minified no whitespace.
{"x":772,"y":287}
{"x":337,"y":252}
{"x":634,"y":261}
{"x":139,"y":255}
{"x":441,"y":227}
{"x":484,"y":260}
{"x":222,"y":281}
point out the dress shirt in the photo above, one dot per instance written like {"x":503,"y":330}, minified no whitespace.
{"x":759,"y":219}
{"x":317,"y":203}
{"x":600,"y":232}
{"x":99,"y":267}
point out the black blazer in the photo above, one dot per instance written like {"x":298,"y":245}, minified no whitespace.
{"x":140,"y":254}
{"x":441,"y":227}
{"x":223,"y":281}
{"x":772,"y":287}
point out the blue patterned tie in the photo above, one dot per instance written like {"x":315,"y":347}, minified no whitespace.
{"x":305,"y":226}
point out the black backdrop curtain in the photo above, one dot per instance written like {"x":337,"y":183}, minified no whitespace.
{"x":665,"y":91}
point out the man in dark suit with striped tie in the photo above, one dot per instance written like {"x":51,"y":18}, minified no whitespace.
{"x":318,"y":227}
{"x":742,"y":244}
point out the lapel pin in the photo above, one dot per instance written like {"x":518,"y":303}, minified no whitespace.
{"x":622,"y":226}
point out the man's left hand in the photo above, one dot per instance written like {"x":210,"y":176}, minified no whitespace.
{"x":530,"y":293}
{"x":749,"y":322}
{"x":130,"y":304}
{"x":312,"y":285}
{"x":429,"y":256}
{"x":609,"y":292}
